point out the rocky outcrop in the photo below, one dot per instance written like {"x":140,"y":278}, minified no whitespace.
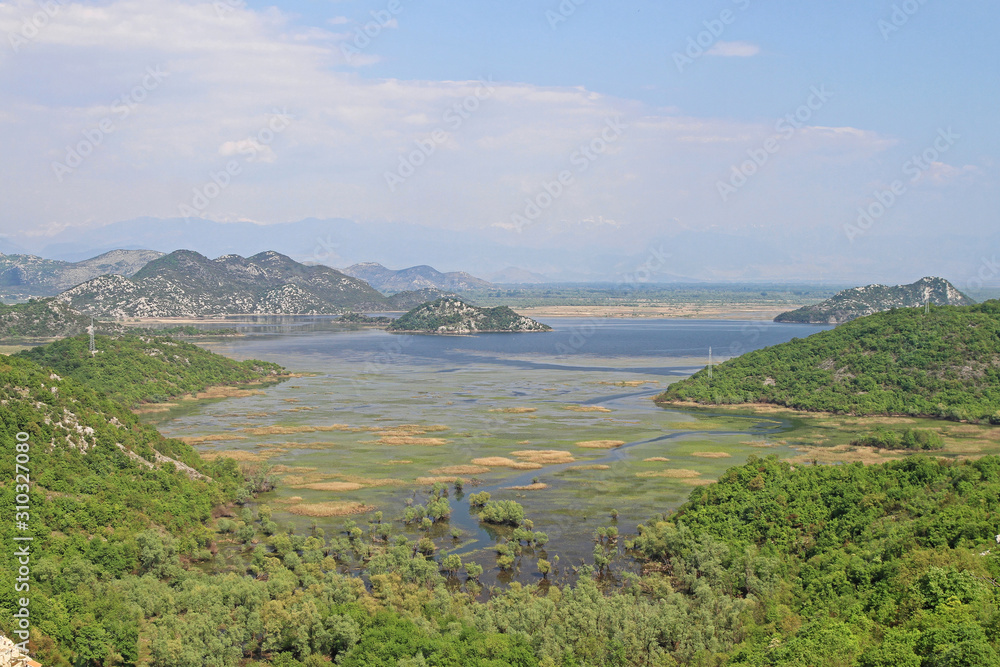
{"x":862,"y":301}
{"x":453,"y":316}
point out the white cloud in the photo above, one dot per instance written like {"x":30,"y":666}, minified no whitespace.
{"x":229,"y":74}
{"x":251,"y":148}
{"x":734,"y":50}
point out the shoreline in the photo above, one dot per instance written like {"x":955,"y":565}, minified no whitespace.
{"x":561,"y":312}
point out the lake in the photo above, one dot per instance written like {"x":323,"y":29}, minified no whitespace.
{"x":565,"y":417}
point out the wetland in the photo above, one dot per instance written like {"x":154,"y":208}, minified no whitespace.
{"x":563,"y":424}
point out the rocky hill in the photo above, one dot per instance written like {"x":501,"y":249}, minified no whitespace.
{"x":944,"y":364}
{"x":413,"y":278}
{"x":453,"y":316}
{"x":861,"y":301}
{"x":40,"y":318}
{"x":188,"y":284}
{"x":22,"y":276}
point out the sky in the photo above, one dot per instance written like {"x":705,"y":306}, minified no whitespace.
{"x":849,"y":141}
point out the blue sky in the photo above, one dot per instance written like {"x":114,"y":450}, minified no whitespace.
{"x":265,"y":90}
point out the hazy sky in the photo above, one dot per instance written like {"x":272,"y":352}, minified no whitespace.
{"x":596,"y":123}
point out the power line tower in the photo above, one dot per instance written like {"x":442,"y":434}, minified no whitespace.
{"x":709,"y":363}
{"x":90,"y":330}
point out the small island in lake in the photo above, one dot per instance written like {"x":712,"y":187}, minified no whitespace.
{"x":449,"y":315}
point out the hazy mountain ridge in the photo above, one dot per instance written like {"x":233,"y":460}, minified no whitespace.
{"x":414,"y":278}
{"x":454,"y":316}
{"x":188,"y":284}
{"x":29,"y":275}
{"x":870,"y":299}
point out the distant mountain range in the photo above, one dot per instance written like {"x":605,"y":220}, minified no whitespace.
{"x":558,"y":254}
{"x":188,"y":284}
{"x":413,"y":278}
{"x":515,"y":276}
{"x":22,"y":276}
{"x":861,"y":301}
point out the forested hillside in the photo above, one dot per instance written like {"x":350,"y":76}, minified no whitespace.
{"x":806,"y":566}
{"x":132,"y":369}
{"x":944,"y":364}
{"x":104,"y":504}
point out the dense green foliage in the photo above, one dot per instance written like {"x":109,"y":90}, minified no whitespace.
{"x":100,"y":508}
{"x":909,"y":438}
{"x":773,"y":565}
{"x":187,"y":331}
{"x":503,"y":512}
{"x":943,"y":364}
{"x":877,"y":566}
{"x":133,"y":369}
{"x":449,"y":315}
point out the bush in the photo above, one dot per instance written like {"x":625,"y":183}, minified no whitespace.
{"x":503,"y":512}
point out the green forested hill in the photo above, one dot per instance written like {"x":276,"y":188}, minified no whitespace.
{"x":814,"y":566}
{"x":890,"y":565}
{"x":132,"y":369}
{"x":942,"y":364}
{"x":104,"y":503}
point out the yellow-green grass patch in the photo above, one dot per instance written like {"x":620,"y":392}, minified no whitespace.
{"x":329,"y":509}
{"x":675,"y":473}
{"x":460,"y":470}
{"x":502,"y":462}
{"x":600,"y":444}
{"x":544,"y":456}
